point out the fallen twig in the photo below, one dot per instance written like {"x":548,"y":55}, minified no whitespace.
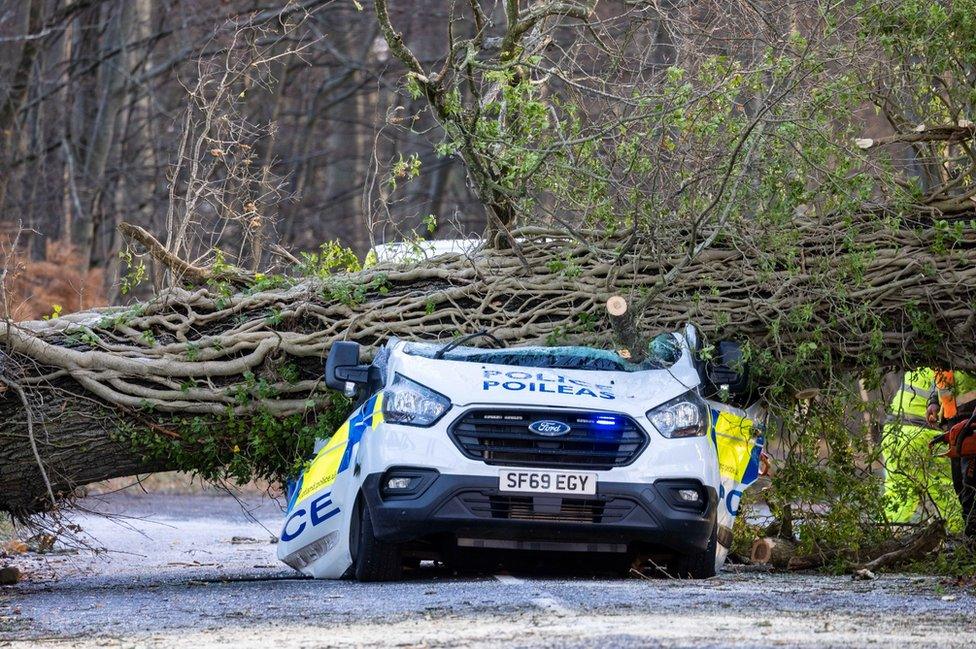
{"x":921,"y":543}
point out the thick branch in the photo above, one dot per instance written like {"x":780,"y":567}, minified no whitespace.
{"x":948,"y":134}
{"x":183,"y":270}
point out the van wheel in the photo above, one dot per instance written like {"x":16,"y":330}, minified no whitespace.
{"x":372,"y":560}
{"x":697,"y":565}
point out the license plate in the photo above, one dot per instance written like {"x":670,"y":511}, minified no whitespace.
{"x":547,"y":482}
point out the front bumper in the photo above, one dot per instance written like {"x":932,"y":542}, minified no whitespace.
{"x":472,"y":510}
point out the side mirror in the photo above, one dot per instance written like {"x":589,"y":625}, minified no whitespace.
{"x":727,"y":370}
{"x":342,"y":369}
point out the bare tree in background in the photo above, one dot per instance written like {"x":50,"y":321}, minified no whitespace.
{"x":91,"y":104}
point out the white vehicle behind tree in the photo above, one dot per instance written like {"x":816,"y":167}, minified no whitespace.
{"x":455,"y":451}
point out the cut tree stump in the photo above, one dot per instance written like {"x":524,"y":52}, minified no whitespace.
{"x":622,"y":322}
{"x":781,"y":553}
{"x":776,"y":552}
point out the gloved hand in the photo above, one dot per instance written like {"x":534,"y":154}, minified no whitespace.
{"x":932,"y":414}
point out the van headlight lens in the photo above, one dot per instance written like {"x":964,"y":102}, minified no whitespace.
{"x":408,"y":402}
{"x":684,"y":416}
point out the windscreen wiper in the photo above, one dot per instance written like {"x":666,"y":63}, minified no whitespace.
{"x":463,"y":339}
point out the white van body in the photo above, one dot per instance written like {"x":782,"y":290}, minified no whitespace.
{"x":523,"y":458}
{"x":422,"y":249}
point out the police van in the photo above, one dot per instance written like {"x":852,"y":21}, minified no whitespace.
{"x":468,"y":447}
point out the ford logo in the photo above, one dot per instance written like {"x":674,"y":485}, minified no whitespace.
{"x":549,"y":428}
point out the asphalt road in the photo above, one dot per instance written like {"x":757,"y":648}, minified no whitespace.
{"x":197,"y":571}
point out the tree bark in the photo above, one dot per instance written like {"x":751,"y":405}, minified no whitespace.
{"x":622,"y":322}
{"x":77,"y":441}
{"x":10,"y":136}
{"x":103,"y":137}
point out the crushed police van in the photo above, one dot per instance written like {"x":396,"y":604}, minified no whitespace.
{"x":456,"y":449}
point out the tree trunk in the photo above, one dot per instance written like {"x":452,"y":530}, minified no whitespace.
{"x":776,"y":552}
{"x":10,"y":135}
{"x":103,"y":138}
{"x":76,"y":440}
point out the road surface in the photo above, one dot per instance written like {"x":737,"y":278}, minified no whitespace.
{"x":197,"y":571}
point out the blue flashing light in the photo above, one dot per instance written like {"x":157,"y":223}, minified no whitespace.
{"x":607,"y":428}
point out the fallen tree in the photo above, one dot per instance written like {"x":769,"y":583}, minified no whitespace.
{"x":225,"y":378}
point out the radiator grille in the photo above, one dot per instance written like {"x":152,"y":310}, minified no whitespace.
{"x":547,"y":508}
{"x":594,"y":440}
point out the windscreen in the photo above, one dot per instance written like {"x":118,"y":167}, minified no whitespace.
{"x":663,"y":352}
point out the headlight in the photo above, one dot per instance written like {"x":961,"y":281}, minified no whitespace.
{"x":408,"y":402}
{"x":684,"y":416}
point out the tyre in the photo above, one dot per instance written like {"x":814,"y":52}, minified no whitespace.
{"x":696,"y":565}
{"x":372,"y":559}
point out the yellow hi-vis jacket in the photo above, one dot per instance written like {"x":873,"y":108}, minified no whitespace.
{"x":915,"y":480}
{"x":911,"y":401}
